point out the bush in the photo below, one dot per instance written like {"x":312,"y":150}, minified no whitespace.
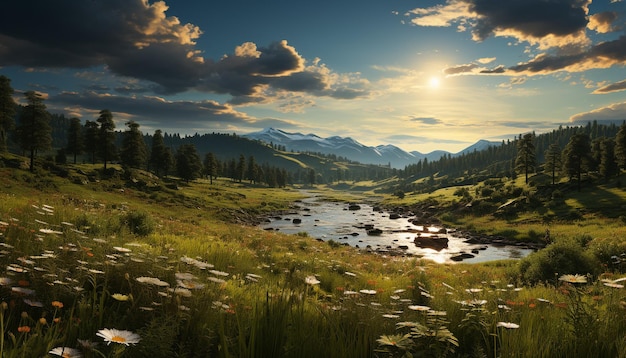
{"x":560,"y":258}
{"x":139,"y":223}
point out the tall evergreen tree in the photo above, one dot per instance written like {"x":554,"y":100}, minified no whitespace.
{"x":34,"y":132}
{"x":90,"y":135}
{"x":75,"y":144}
{"x":576,"y":155}
{"x":160,"y":155}
{"x":525,"y":161}
{"x":608,"y":163}
{"x":241,"y":168}
{"x":7,"y":111}
{"x":134,"y":152}
{"x":188,"y":164}
{"x":553,"y":161}
{"x":106,"y":135}
{"x":210,"y":166}
{"x":620,"y":146}
{"x":251,"y":172}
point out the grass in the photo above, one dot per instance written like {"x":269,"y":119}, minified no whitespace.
{"x":196,"y":283}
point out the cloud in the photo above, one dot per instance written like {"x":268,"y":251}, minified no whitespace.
{"x":462,"y":69}
{"x":426,"y":120}
{"x":602,"y":22}
{"x":541,"y":22}
{"x":152,"y":110}
{"x":615,"y":112}
{"x":137,"y":39}
{"x":602,"y":55}
{"x":613,"y":87}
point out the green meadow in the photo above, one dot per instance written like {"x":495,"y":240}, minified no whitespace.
{"x":124,"y":264}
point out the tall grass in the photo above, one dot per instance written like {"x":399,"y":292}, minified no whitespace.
{"x":196,"y":286}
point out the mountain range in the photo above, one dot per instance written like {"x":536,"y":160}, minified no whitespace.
{"x":351,"y":149}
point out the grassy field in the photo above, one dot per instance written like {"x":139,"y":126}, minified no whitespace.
{"x":124,"y":264}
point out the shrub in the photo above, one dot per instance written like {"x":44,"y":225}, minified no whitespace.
{"x":566,"y":256}
{"x":139,"y":223}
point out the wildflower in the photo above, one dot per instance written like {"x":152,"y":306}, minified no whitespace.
{"x":121,"y":249}
{"x":368,"y":292}
{"x":311,"y":280}
{"x":57,"y":304}
{"x":219,"y":273}
{"x":32,"y":303}
{"x":419,"y":308}
{"x":120,"y":297}
{"x":185,"y":276}
{"x":215,"y":279}
{"x":23,"y":291}
{"x":23,"y":329}
{"x":573,"y":278}
{"x":66,"y":352}
{"x":392,"y":316}
{"x":152,"y":281}
{"x":613,"y":284}
{"x":118,"y":336}
{"x":507,"y":325}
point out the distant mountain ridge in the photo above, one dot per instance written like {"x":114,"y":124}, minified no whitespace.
{"x":353,"y":150}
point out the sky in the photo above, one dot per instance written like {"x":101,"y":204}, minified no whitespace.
{"x":423,"y":75}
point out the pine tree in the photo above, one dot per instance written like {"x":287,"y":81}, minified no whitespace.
{"x":251,"y":172}
{"x":75,"y":145}
{"x":577,"y":156}
{"x":7,"y":111}
{"x":608,"y":163}
{"x":91,"y":139}
{"x":620,"y":146}
{"x":134,"y":152}
{"x":160,"y":155}
{"x":553,"y":161}
{"x":188,"y":164}
{"x":34,"y":132}
{"x":241,"y":168}
{"x":210,"y":166}
{"x":106,"y":136}
{"x":525,"y":161}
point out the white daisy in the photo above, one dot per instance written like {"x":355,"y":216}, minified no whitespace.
{"x":118,"y":336}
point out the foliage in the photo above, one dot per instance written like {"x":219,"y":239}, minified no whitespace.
{"x":577,"y":156}
{"x":7,"y":110}
{"x":33,"y":131}
{"x":75,"y":142}
{"x":139,"y":223}
{"x":106,"y":137}
{"x":133,"y":152}
{"x":188,"y":164}
{"x":161,"y":159}
{"x":525,"y":160}
{"x":565,"y":256}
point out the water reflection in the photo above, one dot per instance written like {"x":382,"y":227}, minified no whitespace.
{"x":334,"y":221}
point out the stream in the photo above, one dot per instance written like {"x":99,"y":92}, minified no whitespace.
{"x":348,"y":225}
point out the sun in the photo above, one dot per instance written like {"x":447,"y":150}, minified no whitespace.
{"x":434,"y":82}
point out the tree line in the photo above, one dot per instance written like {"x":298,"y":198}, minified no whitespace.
{"x":99,"y":140}
{"x":566,"y":152}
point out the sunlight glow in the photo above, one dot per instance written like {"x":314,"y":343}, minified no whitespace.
{"x":434,"y":82}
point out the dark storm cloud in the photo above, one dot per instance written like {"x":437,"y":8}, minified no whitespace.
{"x":139,"y":40}
{"x":536,"y":18}
{"x":154,"y":109}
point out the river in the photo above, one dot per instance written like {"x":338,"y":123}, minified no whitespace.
{"x":325,"y":220}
